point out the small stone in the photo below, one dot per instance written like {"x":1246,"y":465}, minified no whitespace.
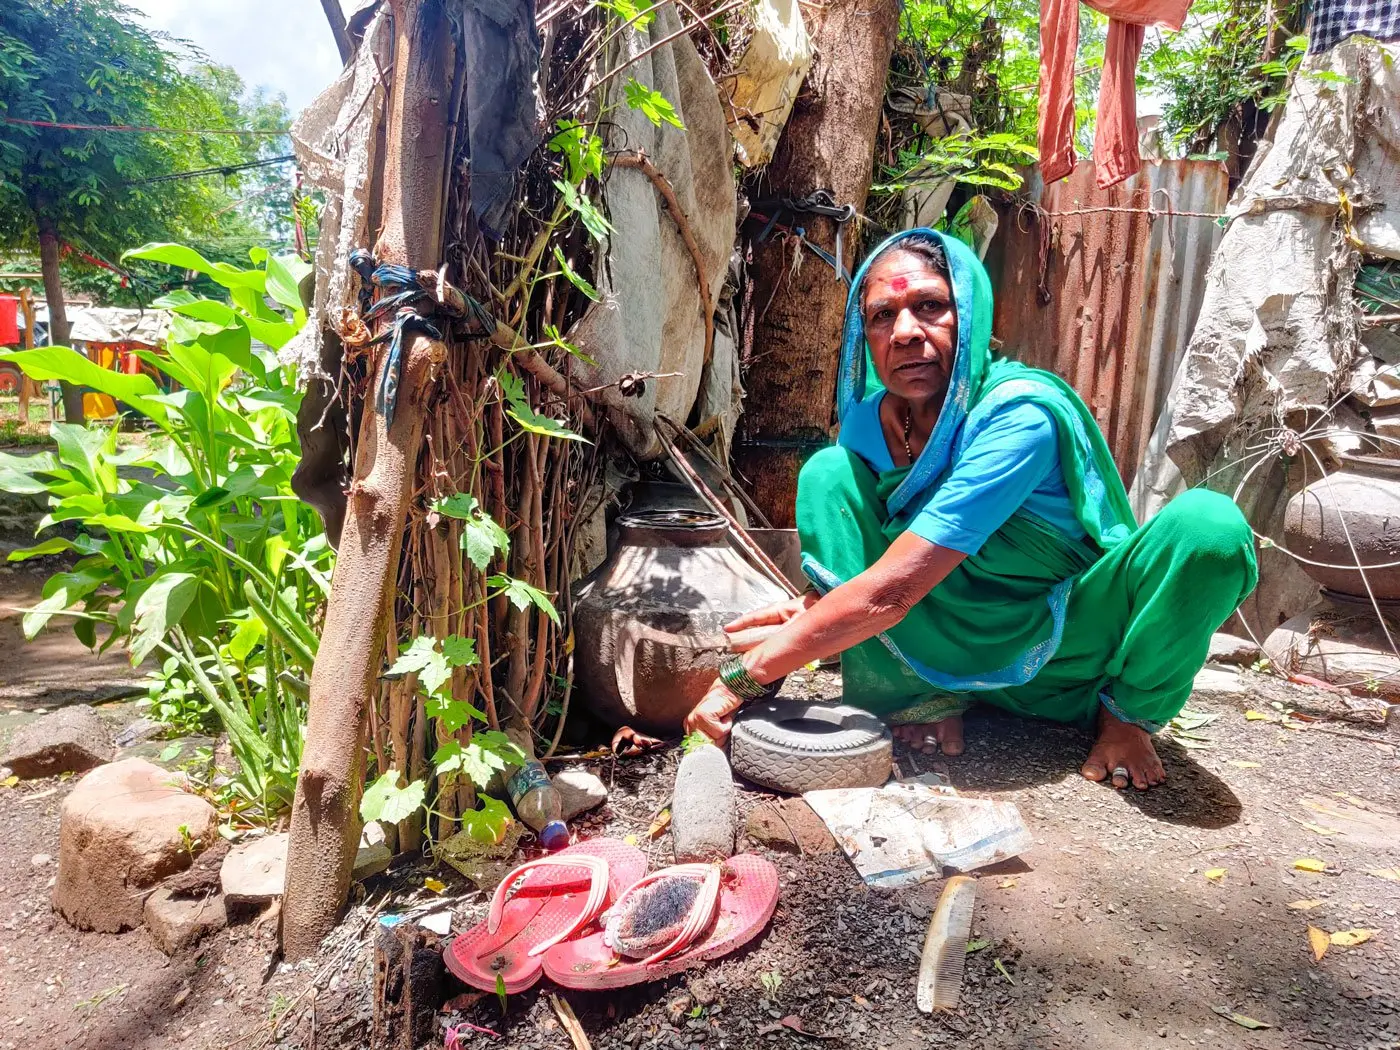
{"x":40,"y":859}
{"x":1231,"y":649}
{"x":138,"y":731}
{"x":71,"y":740}
{"x":125,"y":827}
{"x":255,"y":872}
{"x":175,"y":923}
{"x":789,"y":825}
{"x":373,"y":835}
{"x":1216,"y":682}
{"x":678,"y":1007}
{"x":704,"y":990}
{"x":579,"y":791}
{"x":371,"y":860}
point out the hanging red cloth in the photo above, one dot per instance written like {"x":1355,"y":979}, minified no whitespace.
{"x":1115,"y":138}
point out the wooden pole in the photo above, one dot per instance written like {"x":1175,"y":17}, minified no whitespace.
{"x":325,"y":821}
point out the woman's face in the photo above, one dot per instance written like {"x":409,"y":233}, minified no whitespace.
{"x":911,"y":324}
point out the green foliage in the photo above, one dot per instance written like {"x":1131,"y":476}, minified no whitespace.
{"x":92,"y":62}
{"x":985,"y":160}
{"x":1217,"y":64}
{"x":385,"y":800}
{"x":482,"y":537}
{"x":654,"y":105}
{"x":193,"y":543}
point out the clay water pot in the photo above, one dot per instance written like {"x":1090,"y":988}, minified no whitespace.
{"x":1351,"y":517}
{"x":648,"y":622}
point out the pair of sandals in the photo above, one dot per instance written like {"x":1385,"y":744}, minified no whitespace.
{"x":571,"y":916}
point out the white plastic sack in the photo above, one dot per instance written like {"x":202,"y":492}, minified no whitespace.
{"x":767,"y":79}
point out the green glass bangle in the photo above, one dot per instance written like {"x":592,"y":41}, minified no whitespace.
{"x":736,"y":676}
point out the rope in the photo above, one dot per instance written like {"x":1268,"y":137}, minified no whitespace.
{"x":224,"y":169}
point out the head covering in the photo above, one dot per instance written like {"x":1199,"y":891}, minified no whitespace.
{"x":977,"y":385}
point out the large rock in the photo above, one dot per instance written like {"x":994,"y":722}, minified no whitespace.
{"x":579,"y":791}
{"x":255,"y":872}
{"x":176,"y":923}
{"x":70,"y":740}
{"x":124,"y":828}
{"x":1230,"y":649}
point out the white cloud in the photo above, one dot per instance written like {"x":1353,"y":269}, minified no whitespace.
{"x":281,"y":45}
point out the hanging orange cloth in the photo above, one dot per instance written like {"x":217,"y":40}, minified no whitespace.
{"x":1115,"y":140}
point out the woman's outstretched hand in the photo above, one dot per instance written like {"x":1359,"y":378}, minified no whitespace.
{"x":713,"y":715}
{"x":751,"y":628}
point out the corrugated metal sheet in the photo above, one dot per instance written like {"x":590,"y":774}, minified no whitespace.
{"x":1107,"y":299}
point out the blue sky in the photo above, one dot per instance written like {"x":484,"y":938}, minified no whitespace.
{"x":282,"y":45}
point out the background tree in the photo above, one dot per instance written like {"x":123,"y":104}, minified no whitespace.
{"x":93,"y":194}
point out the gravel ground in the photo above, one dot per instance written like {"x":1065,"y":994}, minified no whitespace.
{"x":1106,"y":935}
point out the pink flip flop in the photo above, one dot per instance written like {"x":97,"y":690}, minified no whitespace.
{"x":539,"y":904}
{"x":733,"y":904}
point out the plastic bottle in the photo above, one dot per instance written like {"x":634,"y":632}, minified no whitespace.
{"x":533,"y":796}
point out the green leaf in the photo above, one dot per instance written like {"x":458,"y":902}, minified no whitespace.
{"x":586,"y":210}
{"x":453,"y":714}
{"x":57,"y":545}
{"x":188,"y":259}
{"x":160,"y":608}
{"x":574,"y":279}
{"x":474,"y":762}
{"x":631,"y":11}
{"x":489,"y":823}
{"x":528,"y":419}
{"x":482,"y":537}
{"x":61,"y":362}
{"x":522,"y":595}
{"x":459,"y":651}
{"x":582,"y":149}
{"x":654,"y":105}
{"x":284,"y":275}
{"x":414,"y":658}
{"x":385,"y":800}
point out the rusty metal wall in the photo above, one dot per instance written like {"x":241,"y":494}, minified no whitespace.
{"x":1107,"y":298}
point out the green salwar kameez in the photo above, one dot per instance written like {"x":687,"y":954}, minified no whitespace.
{"x":1035,"y":622}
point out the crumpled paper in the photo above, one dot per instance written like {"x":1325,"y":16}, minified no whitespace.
{"x":909,"y":831}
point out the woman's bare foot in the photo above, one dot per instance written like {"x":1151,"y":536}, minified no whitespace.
{"x":1123,"y":746}
{"x":931,"y":737}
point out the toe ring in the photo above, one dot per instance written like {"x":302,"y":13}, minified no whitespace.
{"x":1121,"y":773}
{"x":930,"y":740}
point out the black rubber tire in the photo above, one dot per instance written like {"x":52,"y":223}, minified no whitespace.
{"x":769,"y":746}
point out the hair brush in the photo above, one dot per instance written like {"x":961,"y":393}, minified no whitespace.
{"x":945,"y":948}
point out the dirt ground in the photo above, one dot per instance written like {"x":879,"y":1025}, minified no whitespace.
{"x":1106,"y":935}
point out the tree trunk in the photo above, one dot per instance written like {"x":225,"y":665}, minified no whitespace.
{"x":325,"y":822}
{"x":828,"y":143}
{"x":58,"y":316}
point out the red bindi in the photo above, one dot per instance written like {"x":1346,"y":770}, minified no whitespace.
{"x":899,"y":284}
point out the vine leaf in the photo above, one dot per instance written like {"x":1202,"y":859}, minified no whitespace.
{"x":522,"y":595}
{"x":385,"y":800}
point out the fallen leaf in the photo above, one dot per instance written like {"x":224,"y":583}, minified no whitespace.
{"x":860,"y":1000}
{"x":1258,"y":716}
{"x":977,"y":946}
{"x":1307,"y":905}
{"x":793,"y":1023}
{"x":1240,"y":764}
{"x":1214,"y":874}
{"x":1309,"y":864}
{"x":1351,"y":938}
{"x":1319,"y":942}
{"x":631,"y":840}
{"x":1010,"y":884}
{"x":1389,"y":874}
{"x":1001,"y":969}
{"x":1317,"y":828}
{"x":9,"y":781}
{"x":1243,"y":1020}
{"x":660,"y":824}
{"x":434,"y":885}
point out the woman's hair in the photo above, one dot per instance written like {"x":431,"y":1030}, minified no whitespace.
{"x":918,"y":243}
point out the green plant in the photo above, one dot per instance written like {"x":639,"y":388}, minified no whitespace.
{"x":976,"y":160}
{"x":772,"y":980}
{"x":194,"y":546}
